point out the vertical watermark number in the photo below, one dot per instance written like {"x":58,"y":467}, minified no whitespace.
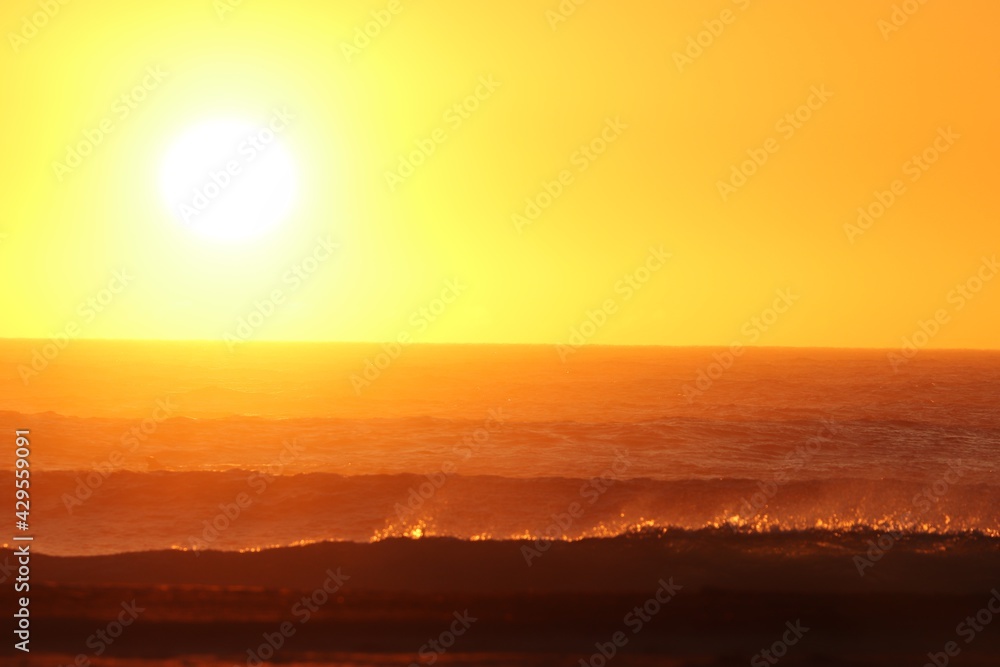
{"x":22,"y":513}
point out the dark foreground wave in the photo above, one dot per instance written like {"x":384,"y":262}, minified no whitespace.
{"x":734,"y":595}
{"x":807,"y":561}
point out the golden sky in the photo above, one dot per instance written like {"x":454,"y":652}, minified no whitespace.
{"x":508,"y":172}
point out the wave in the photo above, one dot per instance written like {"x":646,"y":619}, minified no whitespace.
{"x":668,"y":448}
{"x":93,"y":513}
{"x":859,"y":560}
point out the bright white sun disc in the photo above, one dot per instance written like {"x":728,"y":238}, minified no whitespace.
{"x":230,"y":180}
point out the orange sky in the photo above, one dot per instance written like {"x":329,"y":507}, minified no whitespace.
{"x":648,"y":234}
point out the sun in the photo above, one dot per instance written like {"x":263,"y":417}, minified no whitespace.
{"x":230,"y":180}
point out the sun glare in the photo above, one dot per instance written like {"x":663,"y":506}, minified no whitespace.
{"x":230,"y":180}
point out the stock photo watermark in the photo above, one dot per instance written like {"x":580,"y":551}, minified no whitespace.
{"x":968,"y":629}
{"x":103,"y":638}
{"x":87,"y":311}
{"x":590,"y":492}
{"x":562,"y":12}
{"x":265,"y":307}
{"x":302,"y":611}
{"x":138,"y":433}
{"x":899,"y":16}
{"x":957,"y":299}
{"x":34,"y":23}
{"x":635,"y":620}
{"x":365,"y":34}
{"x":597,"y":318}
{"x":581,"y":159}
{"x":923,"y":502}
{"x":454,"y":117}
{"x":786,"y":126}
{"x":258,"y":482}
{"x":225,"y":7}
{"x":77,"y":152}
{"x":429,"y":653}
{"x":468,"y":445}
{"x":914,"y":168}
{"x":751,"y":330}
{"x":218,"y":181}
{"x":779,"y":649}
{"x":767,"y":489}
{"x":420,"y":320}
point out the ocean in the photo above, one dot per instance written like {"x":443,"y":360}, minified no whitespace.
{"x":500,"y":472}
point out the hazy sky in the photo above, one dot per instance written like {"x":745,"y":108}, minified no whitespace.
{"x":623,"y":123}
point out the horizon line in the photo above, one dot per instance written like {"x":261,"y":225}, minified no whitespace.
{"x":497,"y":344}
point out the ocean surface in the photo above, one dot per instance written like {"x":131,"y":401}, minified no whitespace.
{"x":147,"y":446}
{"x":546,"y":495}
